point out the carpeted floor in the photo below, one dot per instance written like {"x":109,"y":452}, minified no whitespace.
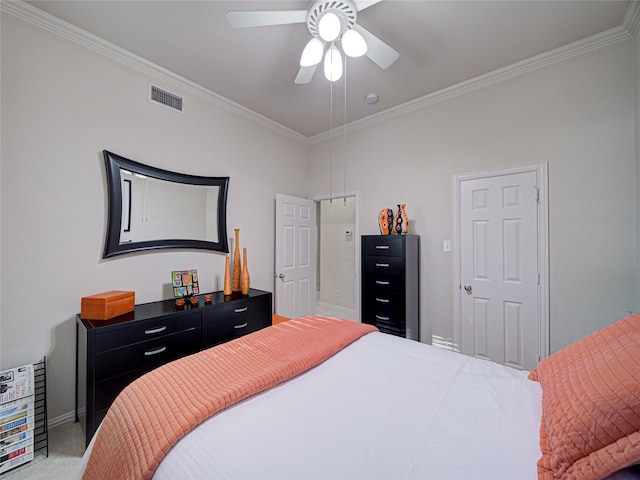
{"x":66,"y":447}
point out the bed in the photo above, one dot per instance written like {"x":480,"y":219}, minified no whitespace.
{"x":371,"y":405}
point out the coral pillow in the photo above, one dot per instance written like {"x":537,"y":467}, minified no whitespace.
{"x":591,"y":404}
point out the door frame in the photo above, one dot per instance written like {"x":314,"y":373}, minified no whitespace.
{"x":356,"y":238}
{"x":541,"y":171}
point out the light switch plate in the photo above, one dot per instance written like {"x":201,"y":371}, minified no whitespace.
{"x":446,"y":246}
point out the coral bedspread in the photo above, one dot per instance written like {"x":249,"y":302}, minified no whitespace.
{"x":172,"y":400}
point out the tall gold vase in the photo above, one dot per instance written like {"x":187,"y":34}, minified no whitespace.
{"x":244,"y":276}
{"x":235,"y":282}
{"x":227,"y":277}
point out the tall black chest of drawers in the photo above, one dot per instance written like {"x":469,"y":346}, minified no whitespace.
{"x":113,"y":353}
{"x":391,"y":284}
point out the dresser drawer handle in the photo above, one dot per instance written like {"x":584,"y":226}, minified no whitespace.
{"x":241,"y":326}
{"x":155,"y":351}
{"x":382,"y":247}
{"x":385,"y":265}
{"x":155,"y":330}
{"x":379,"y":317}
{"x":382,"y":282}
{"x":382,"y":300}
{"x":240,"y":310}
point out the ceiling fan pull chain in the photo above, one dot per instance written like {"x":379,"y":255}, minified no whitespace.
{"x":344,"y":143}
{"x":331,"y":141}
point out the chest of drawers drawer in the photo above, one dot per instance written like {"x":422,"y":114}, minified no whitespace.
{"x":228,"y":322}
{"x":381,"y":284}
{"x":383,"y":265}
{"x":387,"y":246}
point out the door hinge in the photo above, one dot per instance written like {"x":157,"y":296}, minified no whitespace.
{"x":538,"y":279}
{"x":536,"y":194}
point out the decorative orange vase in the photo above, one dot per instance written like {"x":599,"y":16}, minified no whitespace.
{"x":227,"y":277}
{"x":244,"y":277}
{"x":385,"y":221}
{"x":235,"y":282}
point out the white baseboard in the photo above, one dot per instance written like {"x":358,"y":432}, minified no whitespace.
{"x":65,"y":418}
{"x":343,"y":312}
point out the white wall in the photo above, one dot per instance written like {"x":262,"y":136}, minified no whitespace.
{"x":62,"y":104}
{"x":577,"y":116}
{"x":338,"y":252}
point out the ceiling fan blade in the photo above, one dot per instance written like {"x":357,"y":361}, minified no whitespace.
{"x":377,"y":50}
{"x":362,"y":4}
{"x":250,"y":18}
{"x":305,"y":74}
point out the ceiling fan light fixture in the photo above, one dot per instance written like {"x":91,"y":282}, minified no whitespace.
{"x":329,"y":27}
{"x":353,"y":43}
{"x":333,"y":64}
{"x":312,"y":53}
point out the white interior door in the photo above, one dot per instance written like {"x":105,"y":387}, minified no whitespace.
{"x":295,"y":282}
{"x":499,"y":268}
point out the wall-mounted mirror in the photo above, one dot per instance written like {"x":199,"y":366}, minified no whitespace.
{"x":150,"y":208}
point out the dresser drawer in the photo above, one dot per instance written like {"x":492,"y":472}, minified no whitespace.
{"x":146,"y":330}
{"x":106,"y":391}
{"x":239,"y":308}
{"x":387,"y":246}
{"x":226,"y":323}
{"x":147,"y":355}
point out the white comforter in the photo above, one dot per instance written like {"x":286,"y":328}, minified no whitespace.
{"x":384,"y":407}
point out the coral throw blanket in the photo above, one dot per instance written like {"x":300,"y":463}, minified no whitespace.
{"x":159,"y":408}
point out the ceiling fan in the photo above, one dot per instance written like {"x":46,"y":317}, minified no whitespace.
{"x":328,"y":21}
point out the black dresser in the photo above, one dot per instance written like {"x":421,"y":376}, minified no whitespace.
{"x":112,"y":353}
{"x":391,"y":284}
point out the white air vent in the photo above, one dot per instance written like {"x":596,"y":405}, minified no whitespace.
{"x":168,"y":99}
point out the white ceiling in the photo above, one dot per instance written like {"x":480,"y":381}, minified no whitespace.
{"x":441,"y":43}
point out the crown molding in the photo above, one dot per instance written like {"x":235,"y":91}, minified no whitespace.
{"x":542,"y":60}
{"x":631,"y":19}
{"x":35,"y":16}
{"x":48,"y":22}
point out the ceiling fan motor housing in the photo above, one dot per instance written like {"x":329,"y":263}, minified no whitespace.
{"x":345,"y":10}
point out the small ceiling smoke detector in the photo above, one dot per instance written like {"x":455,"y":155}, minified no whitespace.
{"x":371,"y":98}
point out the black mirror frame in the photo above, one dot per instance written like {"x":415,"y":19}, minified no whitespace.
{"x":113,"y":246}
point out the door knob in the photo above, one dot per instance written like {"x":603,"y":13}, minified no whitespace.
{"x":467,"y":288}
{"x":281,"y":276}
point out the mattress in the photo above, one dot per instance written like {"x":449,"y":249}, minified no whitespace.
{"x":384,"y":407}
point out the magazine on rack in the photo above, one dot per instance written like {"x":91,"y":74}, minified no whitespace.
{"x":16,"y":383}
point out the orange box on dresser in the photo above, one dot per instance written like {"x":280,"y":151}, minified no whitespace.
{"x":106,"y":305}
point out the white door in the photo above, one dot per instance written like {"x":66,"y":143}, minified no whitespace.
{"x":499,"y":274}
{"x":295,"y":282}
